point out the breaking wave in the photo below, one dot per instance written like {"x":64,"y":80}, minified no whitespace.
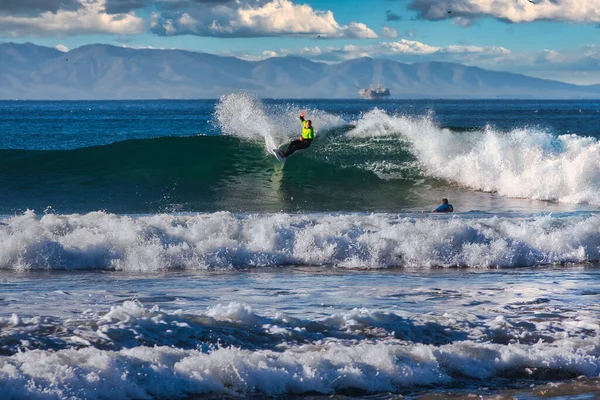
{"x":136,"y":352}
{"x":523,"y":163}
{"x":224,"y":240}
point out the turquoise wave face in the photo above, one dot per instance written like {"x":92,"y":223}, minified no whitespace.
{"x":204,"y":173}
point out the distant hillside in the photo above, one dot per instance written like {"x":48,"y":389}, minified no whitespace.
{"x":99,"y":71}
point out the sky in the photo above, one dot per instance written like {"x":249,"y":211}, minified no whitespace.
{"x":553,"y":39}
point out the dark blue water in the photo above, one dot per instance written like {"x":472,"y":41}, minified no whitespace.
{"x":48,"y":125}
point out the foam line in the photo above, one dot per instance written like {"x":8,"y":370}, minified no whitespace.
{"x":224,"y":240}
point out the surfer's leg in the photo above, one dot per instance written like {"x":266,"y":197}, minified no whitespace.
{"x":297,"y":145}
{"x":294,"y":145}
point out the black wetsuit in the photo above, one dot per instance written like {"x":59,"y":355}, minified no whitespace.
{"x":307,"y":135}
{"x":297,"y":145}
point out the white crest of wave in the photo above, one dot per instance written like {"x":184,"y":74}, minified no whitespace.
{"x":224,"y":240}
{"x":522,"y":163}
{"x":245,"y":116}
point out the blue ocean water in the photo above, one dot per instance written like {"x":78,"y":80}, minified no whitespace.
{"x":155,"y":249}
{"x":68,"y":125}
{"x":206,"y":156}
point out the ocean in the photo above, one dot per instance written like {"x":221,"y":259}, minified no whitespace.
{"x":157,"y":250}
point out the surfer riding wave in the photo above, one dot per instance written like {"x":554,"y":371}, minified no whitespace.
{"x":308,"y":134}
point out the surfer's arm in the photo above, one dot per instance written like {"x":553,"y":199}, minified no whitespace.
{"x":302,"y":122}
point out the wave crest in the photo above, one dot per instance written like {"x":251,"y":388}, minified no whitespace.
{"x":225,"y":241}
{"x":523,"y":163}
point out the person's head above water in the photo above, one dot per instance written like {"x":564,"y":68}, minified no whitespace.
{"x":308,"y":123}
{"x":444,"y":201}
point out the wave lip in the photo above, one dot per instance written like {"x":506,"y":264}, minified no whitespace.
{"x":524,"y":163}
{"x":224,"y":240}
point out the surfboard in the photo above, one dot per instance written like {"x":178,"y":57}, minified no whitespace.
{"x":278,"y":156}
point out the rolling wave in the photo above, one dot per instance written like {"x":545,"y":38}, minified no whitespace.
{"x":380,"y":162}
{"x":523,"y":163}
{"x":201,"y":173}
{"x":225,"y":241}
{"x":528,"y":162}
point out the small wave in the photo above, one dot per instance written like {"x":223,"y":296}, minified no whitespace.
{"x":224,"y":240}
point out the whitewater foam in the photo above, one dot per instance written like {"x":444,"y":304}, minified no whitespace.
{"x":225,"y":241}
{"x":135,"y":352}
{"x":523,"y":163}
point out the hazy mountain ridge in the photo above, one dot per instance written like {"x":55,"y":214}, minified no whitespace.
{"x":28,"y":71}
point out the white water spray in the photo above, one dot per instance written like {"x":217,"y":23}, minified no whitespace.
{"x":522,"y":163}
{"x":246,"y":117}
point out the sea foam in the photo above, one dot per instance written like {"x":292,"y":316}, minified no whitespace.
{"x":525,"y":163}
{"x":224,"y":240}
{"x":135,"y":352}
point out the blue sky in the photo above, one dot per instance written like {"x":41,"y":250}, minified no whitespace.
{"x":556,"y":39}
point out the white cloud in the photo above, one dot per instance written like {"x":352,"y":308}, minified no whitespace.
{"x":90,"y":18}
{"x":253,"y":57}
{"x":465,"y":22}
{"x":404,"y":46}
{"x":489,"y":50}
{"x":406,"y":51}
{"x":62,"y":47}
{"x":269,"y":54}
{"x":252,"y":18}
{"x":579,"y":65}
{"x":552,"y":56}
{"x":388,"y":32}
{"x":219,"y":18}
{"x":356,"y":30}
{"x":464,"y":11}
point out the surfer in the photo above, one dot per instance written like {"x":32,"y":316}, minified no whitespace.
{"x":308,"y":134}
{"x":445,"y":207}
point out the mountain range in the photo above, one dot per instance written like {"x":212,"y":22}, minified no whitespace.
{"x":99,"y":71}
